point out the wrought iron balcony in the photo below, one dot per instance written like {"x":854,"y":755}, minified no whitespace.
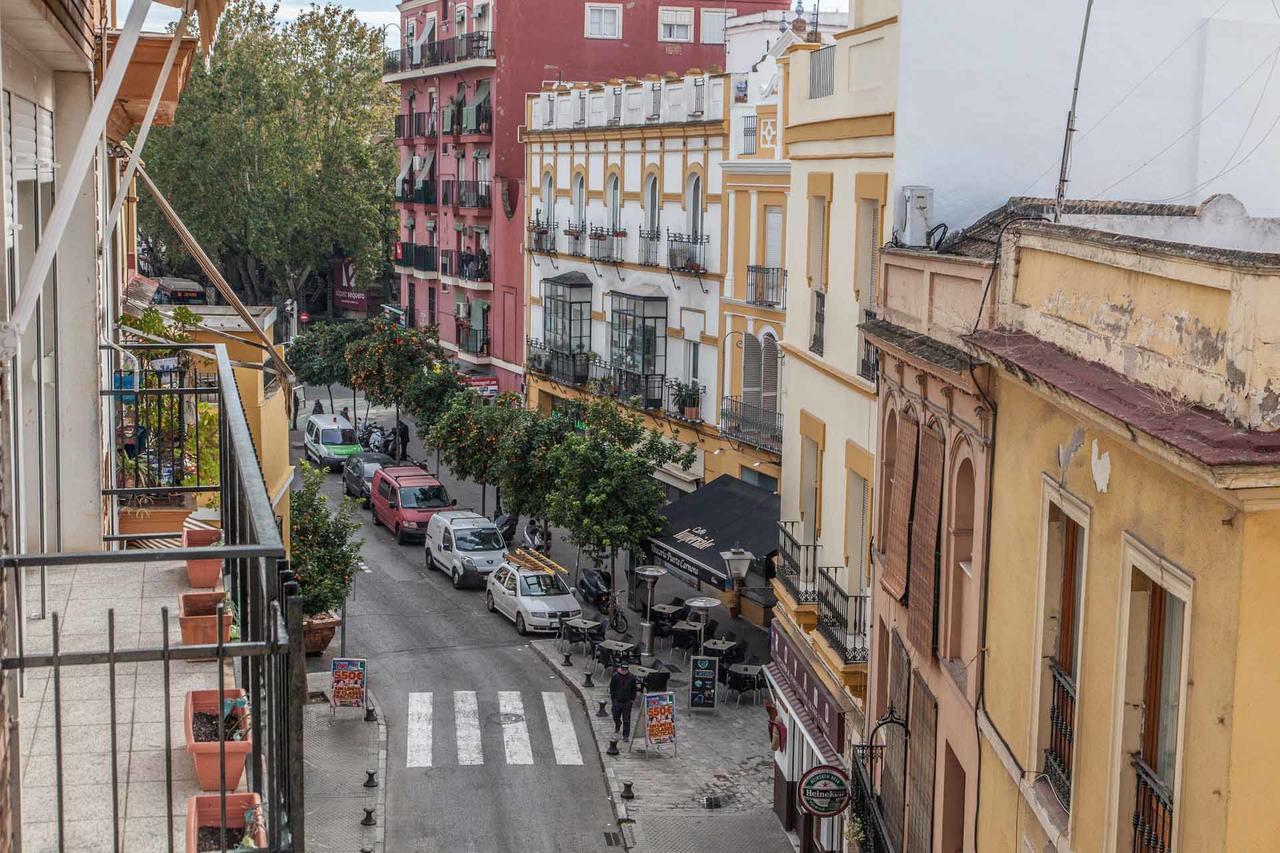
{"x":425,"y":124}
{"x":542,"y":236}
{"x":568,"y":368}
{"x":461,"y":48}
{"x":797,"y":563}
{"x":473,"y":341}
{"x":405,"y":256}
{"x":607,"y":243}
{"x":817,"y":339}
{"x":684,"y":400}
{"x":465,"y":264}
{"x":1152,"y":810}
{"x":749,"y":135}
{"x":869,"y":363}
{"x":578,"y":235}
{"x":651,"y":247}
{"x":477,"y":119}
{"x":467,"y":194}
{"x":641,"y":390}
{"x":424,"y":192}
{"x":687,"y":252}
{"x":864,"y":801}
{"x":767,"y":286}
{"x":402,"y":126}
{"x":842,"y":617}
{"x":392,"y":60}
{"x":1062,"y":717}
{"x":424,"y":258}
{"x":751,"y":424}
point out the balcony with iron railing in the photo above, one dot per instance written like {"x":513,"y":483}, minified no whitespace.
{"x":684,"y":400}
{"x":767,"y":286}
{"x":477,"y":120}
{"x":1062,"y":721}
{"x":404,"y":258}
{"x":425,"y":124}
{"x":473,"y":342}
{"x":751,"y":424}
{"x":842,"y":617}
{"x":424,"y":192}
{"x":465,"y":265}
{"x":402,"y":126}
{"x":467,"y":47}
{"x":470,"y":195}
{"x":607,"y":243}
{"x":577,"y":235}
{"x":797,"y":563}
{"x":424,"y":258}
{"x":687,"y":252}
{"x":650,"y":247}
{"x":749,"y":135}
{"x":869,"y":363}
{"x":567,"y":368}
{"x":639,"y":390}
{"x":103,"y":670}
{"x":865,"y":804}
{"x":1152,"y":810}
{"x":542,"y":236}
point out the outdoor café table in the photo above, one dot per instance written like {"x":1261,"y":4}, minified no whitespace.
{"x":718,"y":647}
{"x":617,"y":649}
{"x":642,"y":672}
{"x":667,"y":610}
{"x":582,"y":626}
{"x":750,"y":670}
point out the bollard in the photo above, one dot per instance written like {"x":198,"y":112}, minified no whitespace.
{"x":369,"y":819}
{"x":602,"y":712}
{"x":370,"y":715}
{"x":567,"y":663}
{"x":627,"y":793}
{"x":613,"y":747}
{"x":588,"y":682}
{"x":372,"y":781}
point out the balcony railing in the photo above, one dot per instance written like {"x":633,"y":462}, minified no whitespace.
{"x":864,"y":802}
{"x":461,"y":48}
{"x":642,"y":390}
{"x":402,"y":126}
{"x":651,"y":247}
{"x":404,"y":190}
{"x":477,"y":119}
{"x":607,"y":243}
{"x":1152,"y":811}
{"x":749,"y":135}
{"x":424,"y":258}
{"x":425,"y":124}
{"x":542,"y":236}
{"x":468,"y":194}
{"x":684,"y":400}
{"x":1062,"y":717}
{"x":405,"y":257}
{"x":751,"y":424}
{"x":869,"y":363}
{"x":687,"y":252}
{"x":473,"y":341}
{"x":465,"y":264}
{"x":797,"y":563}
{"x":568,"y":368}
{"x":424,"y":192}
{"x":578,"y":236}
{"x":267,"y":657}
{"x":767,"y":286}
{"x":822,"y":72}
{"x":817,"y":338}
{"x":842,"y":617}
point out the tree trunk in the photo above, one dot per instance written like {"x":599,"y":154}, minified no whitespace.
{"x":329,"y":388}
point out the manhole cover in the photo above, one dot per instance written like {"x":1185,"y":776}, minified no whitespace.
{"x":506,"y":719}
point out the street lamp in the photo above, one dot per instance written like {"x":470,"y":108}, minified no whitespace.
{"x":738,"y":560}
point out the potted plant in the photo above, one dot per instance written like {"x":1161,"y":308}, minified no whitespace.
{"x":198,"y":617}
{"x":202,"y":574}
{"x":201,"y":716}
{"x":244,"y":817}
{"x":325,"y":556}
{"x":688,"y":397}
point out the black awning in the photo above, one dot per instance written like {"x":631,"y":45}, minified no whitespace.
{"x":725,"y":513}
{"x":569,"y":278}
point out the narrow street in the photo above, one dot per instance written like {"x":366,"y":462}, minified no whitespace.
{"x":487,"y":748}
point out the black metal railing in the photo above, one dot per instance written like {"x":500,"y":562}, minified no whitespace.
{"x":542,"y":236}
{"x":464,"y":264}
{"x":869,"y":363}
{"x":424,"y":258}
{"x":822,"y":72}
{"x":767,"y":286}
{"x":405,"y":258}
{"x":817,"y":338}
{"x":477,"y":119}
{"x":651,"y":247}
{"x":699,"y":105}
{"x":797,"y":563}
{"x":404,"y":190}
{"x":402,"y":126}
{"x":460,"y":48}
{"x":425,"y":124}
{"x":473,"y":341}
{"x":687,"y":252}
{"x":262,"y":598}
{"x":684,"y":400}
{"x":468,"y":194}
{"x":568,"y":368}
{"x":864,"y":801}
{"x":842,"y":617}
{"x":1152,"y":810}
{"x":607,"y":243}
{"x":641,"y":390}
{"x":1062,"y":722}
{"x":578,"y":236}
{"x":424,"y":192}
{"x":749,"y":133}
{"x":751,"y":424}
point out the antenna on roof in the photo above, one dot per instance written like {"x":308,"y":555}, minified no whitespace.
{"x":1071,"y":120}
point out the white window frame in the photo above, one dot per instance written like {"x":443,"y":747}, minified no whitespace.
{"x":616,"y":8}
{"x":687,"y":10}
{"x":707,"y":13}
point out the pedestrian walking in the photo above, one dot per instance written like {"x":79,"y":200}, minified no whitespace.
{"x":402,"y":433}
{"x":623,"y":687}
{"x":346,"y":414}
{"x":318,"y":408}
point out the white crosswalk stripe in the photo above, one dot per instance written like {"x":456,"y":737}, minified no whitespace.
{"x":474,"y":712}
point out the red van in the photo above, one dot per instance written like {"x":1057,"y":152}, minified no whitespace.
{"x":404,"y":499}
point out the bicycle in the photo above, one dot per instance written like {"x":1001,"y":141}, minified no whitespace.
{"x":617,"y":619}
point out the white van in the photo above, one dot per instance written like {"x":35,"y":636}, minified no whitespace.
{"x":464,"y":545}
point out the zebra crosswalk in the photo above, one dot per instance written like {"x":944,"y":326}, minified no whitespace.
{"x":514,"y":729}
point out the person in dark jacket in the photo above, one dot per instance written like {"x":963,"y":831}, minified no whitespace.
{"x":402,"y":433}
{"x":623,"y":687}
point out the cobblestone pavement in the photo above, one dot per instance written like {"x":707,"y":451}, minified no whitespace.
{"x":722,"y":754}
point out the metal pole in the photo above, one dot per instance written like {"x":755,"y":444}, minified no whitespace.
{"x":1071,"y":120}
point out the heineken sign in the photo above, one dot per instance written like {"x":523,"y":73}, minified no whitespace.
{"x":824,"y":791}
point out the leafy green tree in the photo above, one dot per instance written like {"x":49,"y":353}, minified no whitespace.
{"x":318,"y":356}
{"x":324,"y":550}
{"x":278,"y":154}
{"x":385,"y":361}
{"x":429,"y":394}
{"x":468,"y":433}
{"x":526,"y":472}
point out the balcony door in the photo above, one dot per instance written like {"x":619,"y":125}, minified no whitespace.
{"x":773,"y":236}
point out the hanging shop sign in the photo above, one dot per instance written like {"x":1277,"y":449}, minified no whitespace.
{"x":824,"y":791}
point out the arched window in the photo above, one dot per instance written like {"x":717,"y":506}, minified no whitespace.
{"x":959,"y":573}
{"x":693,"y":205}
{"x":652,"y":204}
{"x":769,"y":372}
{"x":888,"y":459}
{"x":548,"y":199}
{"x":615,"y":204}
{"x":751,"y":379}
{"x":579,"y":200}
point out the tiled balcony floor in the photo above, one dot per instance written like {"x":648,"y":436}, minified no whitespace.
{"x":82,"y":595}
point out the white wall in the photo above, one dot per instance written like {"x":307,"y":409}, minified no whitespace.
{"x":985,"y":87}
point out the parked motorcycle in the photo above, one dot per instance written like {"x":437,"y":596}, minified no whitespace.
{"x":506,"y":524}
{"x":532,"y":537}
{"x":595,"y":586}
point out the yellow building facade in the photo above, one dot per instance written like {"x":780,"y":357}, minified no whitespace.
{"x":1128,"y":685}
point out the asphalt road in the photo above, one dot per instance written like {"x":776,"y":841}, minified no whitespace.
{"x":487,"y":748}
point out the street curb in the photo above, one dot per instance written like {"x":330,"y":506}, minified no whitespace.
{"x":615,"y":787}
{"x":378,"y":795}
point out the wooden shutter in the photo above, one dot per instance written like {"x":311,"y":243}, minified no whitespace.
{"x":751,"y":373}
{"x":924,"y":542}
{"x":893,"y":776}
{"x":773,"y":236}
{"x":1067,"y":609}
{"x":894,"y":579}
{"x":769,"y":373}
{"x":921,"y":761}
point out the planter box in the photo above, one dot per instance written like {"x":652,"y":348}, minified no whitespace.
{"x":318,"y":631}
{"x":205,"y":752}
{"x":206,"y":810}
{"x":202,"y":573}
{"x":198,"y":618}
{"x":158,"y":519}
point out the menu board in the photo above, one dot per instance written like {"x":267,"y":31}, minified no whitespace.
{"x":702,"y":683}
{"x":659,"y":718}
{"x":348,"y":683}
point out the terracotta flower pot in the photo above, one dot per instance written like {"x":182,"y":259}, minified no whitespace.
{"x":317,"y":632}
{"x":202,"y":573}
{"x":198,"y":618}
{"x":206,"y":810}
{"x":205,"y":752}
{"x":691,"y":413}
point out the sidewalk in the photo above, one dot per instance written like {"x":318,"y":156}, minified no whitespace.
{"x":722,"y":754}
{"x":339,"y":750}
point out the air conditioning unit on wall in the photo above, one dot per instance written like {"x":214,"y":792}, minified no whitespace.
{"x":914,"y":216}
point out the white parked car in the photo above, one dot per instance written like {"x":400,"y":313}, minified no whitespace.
{"x":464,"y":545}
{"x":534,"y":599}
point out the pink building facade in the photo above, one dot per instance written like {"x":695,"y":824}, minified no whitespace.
{"x":463,"y":69}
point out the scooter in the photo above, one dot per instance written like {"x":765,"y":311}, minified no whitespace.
{"x":506,"y":524}
{"x":595,"y":587}
{"x":532,"y":537}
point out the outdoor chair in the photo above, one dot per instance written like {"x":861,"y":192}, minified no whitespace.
{"x":686,"y":641}
{"x":710,"y":630}
{"x":656,"y":682}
